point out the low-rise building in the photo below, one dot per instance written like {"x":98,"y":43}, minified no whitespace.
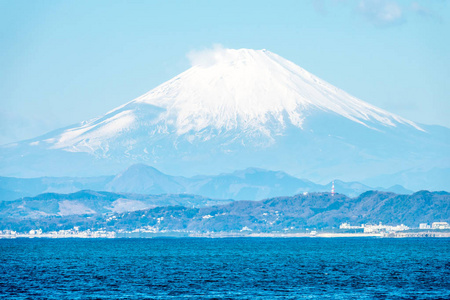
{"x":348,"y":226}
{"x":424,"y":226}
{"x":384,"y":228}
{"x":440,"y":225}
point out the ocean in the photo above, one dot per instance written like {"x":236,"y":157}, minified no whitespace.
{"x":228,"y":268}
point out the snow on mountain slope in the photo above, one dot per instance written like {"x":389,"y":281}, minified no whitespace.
{"x":237,"y":109}
{"x":255,"y":91}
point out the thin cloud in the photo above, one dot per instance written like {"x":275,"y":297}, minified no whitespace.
{"x":206,"y":57}
{"x":381,"y":12}
{"x":319,"y":6}
{"x":424,"y":11}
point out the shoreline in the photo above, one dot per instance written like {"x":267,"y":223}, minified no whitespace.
{"x":131,"y":235}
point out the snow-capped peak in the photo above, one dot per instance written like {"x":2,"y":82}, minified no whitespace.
{"x":248,"y":87}
{"x":231,"y":89}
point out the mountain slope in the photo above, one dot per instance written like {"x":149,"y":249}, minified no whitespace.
{"x":144,"y":179}
{"x":257,"y":92}
{"x":283,"y":214}
{"x":248,"y":184}
{"x":92,"y":203}
{"x":241,"y":108}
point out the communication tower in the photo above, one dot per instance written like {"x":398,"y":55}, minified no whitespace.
{"x":332,"y":189}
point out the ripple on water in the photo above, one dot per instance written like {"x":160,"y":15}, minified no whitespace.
{"x":240,"y":268}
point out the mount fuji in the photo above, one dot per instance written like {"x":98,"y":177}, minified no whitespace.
{"x":232,"y":110}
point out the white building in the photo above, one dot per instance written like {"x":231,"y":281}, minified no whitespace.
{"x":440,"y":225}
{"x":348,"y":226}
{"x":424,"y":226}
{"x":384,"y":228}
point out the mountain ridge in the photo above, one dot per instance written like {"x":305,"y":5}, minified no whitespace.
{"x":247,"y":184}
{"x":259,"y":110}
{"x":250,"y":88}
{"x":88,"y":202}
{"x":281,"y":214}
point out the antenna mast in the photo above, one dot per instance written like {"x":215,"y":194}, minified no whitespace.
{"x":332,"y":189}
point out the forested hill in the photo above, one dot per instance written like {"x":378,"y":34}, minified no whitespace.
{"x":315,"y":210}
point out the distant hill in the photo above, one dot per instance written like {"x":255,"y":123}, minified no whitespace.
{"x":12,"y":188}
{"x":435,"y":179}
{"x":92,"y":203}
{"x":314,"y":210}
{"x":248,"y":184}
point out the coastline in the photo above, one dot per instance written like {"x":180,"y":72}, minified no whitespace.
{"x":113,"y":235}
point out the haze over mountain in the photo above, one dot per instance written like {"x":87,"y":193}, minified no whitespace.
{"x":237,"y":109}
{"x":248,"y":184}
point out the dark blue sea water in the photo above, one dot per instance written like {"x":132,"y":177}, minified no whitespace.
{"x":234,"y":268}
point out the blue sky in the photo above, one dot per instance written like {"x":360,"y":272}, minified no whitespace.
{"x":62,"y":62}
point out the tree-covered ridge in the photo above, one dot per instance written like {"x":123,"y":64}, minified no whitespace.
{"x":315,"y":210}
